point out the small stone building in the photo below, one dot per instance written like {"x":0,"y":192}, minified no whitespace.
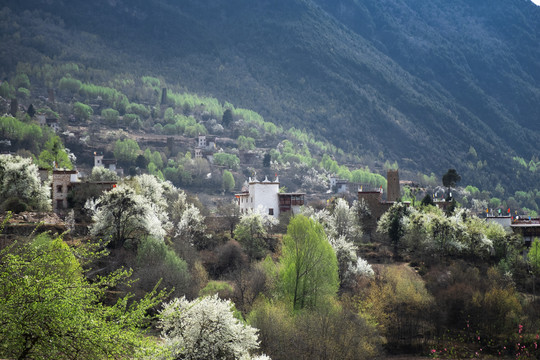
{"x":374,"y":199}
{"x":100,"y":161}
{"x":338,"y":185}
{"x":62,"y":182}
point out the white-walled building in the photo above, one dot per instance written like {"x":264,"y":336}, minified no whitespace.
{"x":264,"y":197}
{"x":110,"y":164}
{"x":338,"y":185}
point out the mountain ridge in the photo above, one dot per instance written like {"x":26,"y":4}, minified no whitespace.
{"x":300,"y":64}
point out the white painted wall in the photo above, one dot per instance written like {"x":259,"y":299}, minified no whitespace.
{"x":265,"y":197}
{"x":261,"y":197}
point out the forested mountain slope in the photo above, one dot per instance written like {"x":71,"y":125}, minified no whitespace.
{"x":418,"y":82}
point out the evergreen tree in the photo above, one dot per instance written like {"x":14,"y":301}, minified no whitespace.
{"x":451,"y":178}
{"x":227,"y":118}
{"x":31,"y":111}
{"x":266,"y":160}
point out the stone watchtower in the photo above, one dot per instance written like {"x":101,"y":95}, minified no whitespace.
{"x":393,"y":191}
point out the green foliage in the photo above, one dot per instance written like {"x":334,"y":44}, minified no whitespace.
{"x":111,"y":97}
{"x":21,"y":80}
{"x":191,"y":101}
{"x":228,"y":181}
{"x":230,"y":161}
{"x":151,"y":81}
{"x":520,"y":161}
{"x":309,"y":265}
{"x":451,"y":178}
{"x":222,"y":288}
{"x":393,"y":224}
{"x":6,"y":90}
{"x":169,"y":115}
{"x":12,"y":128}
{"x":139,"y":110}
{"x":472,"y":189}
{"x":430,"y":180}
{"x":154,"y":158}
{"x":252,"y":233}
{"x":399,"y":302}
{"x":126,"y":151}
{"x":383,"y":108}
{"x":365,"y":176}
{"x":23,"y":93}
{"x":534,"y":255}
{"x":110,"y":116}
{"x":54,"y":151}
{"x":245,"y":143}
{"x":50,"y":310}
{"x":331,"y":332}
{"x":227,"y":118}
{"x":82,"y":111}
{"x":132,"y":120}
{"x":329,"y":164}
{"x":157,"y":263}
{"x":69,"y":84}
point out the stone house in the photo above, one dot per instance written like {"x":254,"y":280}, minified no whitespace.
{"x":374,"y":199}
{"x":338,"y":185}
{"x":110,"y":164}
{"x":62,"y":184}
{"x":206,"y":147}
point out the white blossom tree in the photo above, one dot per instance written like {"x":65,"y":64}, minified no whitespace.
{"x":343,"y":231}
{"x":100,"y":173}
{"x":206,"y":329}
{"x":20,"y":181}
{"x":122,"y":215}
{"x":154,"y":190}
{"x":191,"y":227}
{"x":343,"y":222}
{"x":361,"y":268}
{"x":350,"y":265}
{"x":252,"y":232}
{"x":429,"y":232}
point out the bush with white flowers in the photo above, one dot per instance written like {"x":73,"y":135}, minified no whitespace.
{"x":206,"y":328}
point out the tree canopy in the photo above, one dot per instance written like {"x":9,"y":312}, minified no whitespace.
{"x":451,"y":178}
{"x":48,"y":309}
{"x":205,"y":328}
{"x":19,"y":180}
{"x":310,"y":271}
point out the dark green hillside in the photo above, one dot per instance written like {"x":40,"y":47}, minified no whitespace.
{"x":419,"y":82}
{"x":484,"y":54}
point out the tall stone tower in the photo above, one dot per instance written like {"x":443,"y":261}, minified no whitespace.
{"x":393,"y":191}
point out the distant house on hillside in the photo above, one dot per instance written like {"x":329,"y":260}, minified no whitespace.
{"x":504,"y":221}
{"x":264,"y":197}
{"x":64,"y":181}
{"x":49,"y":122}
{"x":110,"y":164}
{"x":338,"y":185}
{"x":374,"y":199}
{"x":206,"y":147}
{"x":527,"y":228}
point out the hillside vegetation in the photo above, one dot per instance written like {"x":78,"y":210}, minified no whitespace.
{"x":414,"y":83}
